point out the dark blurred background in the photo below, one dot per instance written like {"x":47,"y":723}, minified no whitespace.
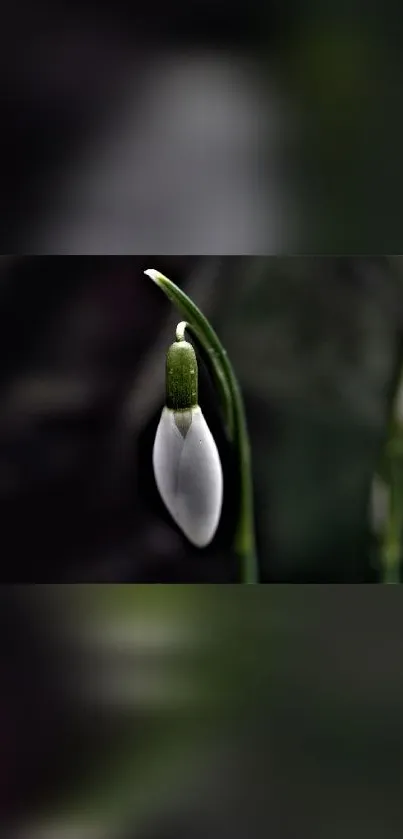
{"x":178,"y":712}
{"x":315,"y":342}
{"x":201,"y":128}
{"x":185,"y":712}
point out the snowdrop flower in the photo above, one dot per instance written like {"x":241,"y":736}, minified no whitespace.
{"x":186,"y":462}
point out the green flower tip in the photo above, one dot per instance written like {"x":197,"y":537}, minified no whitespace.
{"x":181,"y":376}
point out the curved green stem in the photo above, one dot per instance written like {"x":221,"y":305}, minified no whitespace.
{"x":392,"y":537}
{"x":391,"y":548}
{"x":234,"y":413}
{"x":391,"y":472}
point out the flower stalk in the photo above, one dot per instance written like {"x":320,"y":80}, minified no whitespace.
{"x":393,"y":531}
{"x":391,"y":472}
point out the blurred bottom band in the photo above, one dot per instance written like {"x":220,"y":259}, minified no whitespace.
{"x":152,"y":711}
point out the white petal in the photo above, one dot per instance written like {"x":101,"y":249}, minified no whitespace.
{"x":168,"y":447}
{"x":189,"y":476}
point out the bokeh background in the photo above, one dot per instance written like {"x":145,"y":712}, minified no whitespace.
{"x":200,"y":712}
{"x":316,"y":343}
{"x":178,"y":712}
{"x":201,"y":128}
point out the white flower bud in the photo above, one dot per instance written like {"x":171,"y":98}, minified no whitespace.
{"x":188,"y":472}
